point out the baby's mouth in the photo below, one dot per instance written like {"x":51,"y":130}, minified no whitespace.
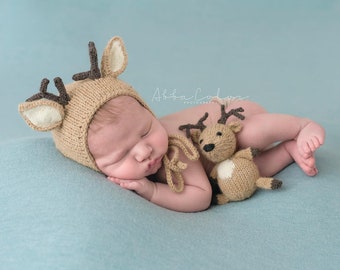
{"x":155,"y":163}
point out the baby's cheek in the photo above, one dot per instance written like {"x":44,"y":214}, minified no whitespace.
{"x":164,"y":144}
{"x":160,"y":139}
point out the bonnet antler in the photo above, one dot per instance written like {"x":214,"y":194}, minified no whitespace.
{"x":63,"y":97}
{"x":199,"y":125}
{"x":225,"y":116}
{"x":94,"y":72}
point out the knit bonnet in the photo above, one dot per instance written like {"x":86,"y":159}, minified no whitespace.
{"x":69,"y":114}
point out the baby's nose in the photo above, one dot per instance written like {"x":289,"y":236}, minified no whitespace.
{"x":143,"y":152}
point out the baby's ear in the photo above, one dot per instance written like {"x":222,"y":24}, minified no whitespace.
{"x":195,"y":135}
{"x":235,"y":126}
{"x":114,"y":59}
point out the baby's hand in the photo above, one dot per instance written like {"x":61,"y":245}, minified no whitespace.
{"x":143,"y":187}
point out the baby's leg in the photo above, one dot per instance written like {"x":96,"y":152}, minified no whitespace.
{"x":261,"y":130}
{"x":277,"y":158}
{"x":305,"y":136}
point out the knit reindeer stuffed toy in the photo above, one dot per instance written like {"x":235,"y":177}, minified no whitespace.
{"x":235,"y":173}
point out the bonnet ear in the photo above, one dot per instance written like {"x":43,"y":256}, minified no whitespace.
{"x":45,"y":111}
{"x":114,"y":59}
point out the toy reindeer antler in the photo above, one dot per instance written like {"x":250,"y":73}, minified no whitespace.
{"x":199,"y":125}
{"x":225,"y":116}
{"x":94,"y":72}
{"x":222,"y":120}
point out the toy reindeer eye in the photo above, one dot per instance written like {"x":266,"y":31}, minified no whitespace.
{"x":219,"y":133}
{"x":201,"y":141}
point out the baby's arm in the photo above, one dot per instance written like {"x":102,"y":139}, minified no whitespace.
{"x":196,"y":195}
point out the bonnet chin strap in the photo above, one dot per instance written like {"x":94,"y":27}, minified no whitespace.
{"x":173,"y":166}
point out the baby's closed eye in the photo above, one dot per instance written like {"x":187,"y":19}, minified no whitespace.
{"x":147,"y":130}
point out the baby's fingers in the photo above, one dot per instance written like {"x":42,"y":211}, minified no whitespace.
{"x":129,"y":184}
{"x":114,"y":180}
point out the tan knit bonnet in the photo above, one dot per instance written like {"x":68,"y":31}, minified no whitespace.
{"x":68,"y":115}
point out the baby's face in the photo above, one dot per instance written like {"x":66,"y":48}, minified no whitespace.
{"x":134,"y":147}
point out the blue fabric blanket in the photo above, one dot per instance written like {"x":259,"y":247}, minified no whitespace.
{"x":55,"y":214}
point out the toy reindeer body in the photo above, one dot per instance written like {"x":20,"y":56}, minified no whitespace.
{"x":236,"y":174}
{"x":238,"y":177}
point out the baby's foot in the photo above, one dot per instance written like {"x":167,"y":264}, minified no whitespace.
{"x":310,"y":138}
{"x":307,"y":165}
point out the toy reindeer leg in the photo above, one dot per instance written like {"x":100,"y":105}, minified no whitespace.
{"x":222,"y":199}
{"x":268,"y":183}
{"x":262,"y":182}
{"x":219,"y":198}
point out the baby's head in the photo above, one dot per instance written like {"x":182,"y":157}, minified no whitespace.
{"x":126,"y":140}
{"x":70,"y":114}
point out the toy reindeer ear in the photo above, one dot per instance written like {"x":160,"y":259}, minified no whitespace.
{"x":114,"y":59}
{"x":235,"y":126}
{"x":45,"y":111}
{"x":195,"y":135}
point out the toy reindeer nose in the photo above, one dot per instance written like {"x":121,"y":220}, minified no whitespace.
{"x":209,"y":147}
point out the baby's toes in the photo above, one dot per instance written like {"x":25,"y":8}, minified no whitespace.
{"x":308,"y":170}
{"x":311,"y":171}
{"x":316,"y":143}
{"x":310,"y":162}
{"x":308,"y":166}
{"x":305,"y":150}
